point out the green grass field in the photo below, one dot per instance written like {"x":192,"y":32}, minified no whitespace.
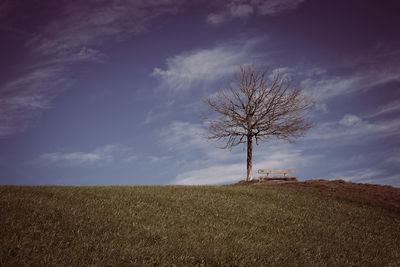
{"x":197,"y":225}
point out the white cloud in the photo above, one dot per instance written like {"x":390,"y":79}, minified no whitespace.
{"x":158,"y":158}
{"x":244,"y":8}
{"x":204,"y":65}
{"x":152,"y":116}
{"x":321,"y":85}
{"x":216,"y":166}
{"x":180,"y":135}
{"x":367,"y":175}
{"x":367,"y":71}
{"x":354,"y":128}
{"x":75,"y":157}
{"x":349,"y":120}
{"x":89,"y":54}
{"x":212,"y":175}
{"x":189,"y":138}
{"x":101,"y":154}
{"x":216,"y":172}
{"x":282,"y":156}
{"x":73,"y":36}
{"x":392,"y":180}
{"x":394,"y":159}
{"x":131,"y":158}
{"x":241,"y":11}
{"x":86,"y":24}
{"x":275,"y":7}
{"x":23,"y":98}
{"x":183,"y":71}
{"x":7,"y":127}
{"x":217,"y":19}
{"x":359,"y":176}
{"x":186,"y":138}
{"x":386,"y":109}
{"x":213,"y":165}
{"x":324,"y":86}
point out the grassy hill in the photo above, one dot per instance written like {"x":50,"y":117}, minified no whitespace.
{"x":198,"y":225}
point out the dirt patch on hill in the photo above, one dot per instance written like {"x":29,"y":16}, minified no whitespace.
{"x":383,"y":195}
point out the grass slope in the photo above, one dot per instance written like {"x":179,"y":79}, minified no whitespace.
{"x":210,"y":225}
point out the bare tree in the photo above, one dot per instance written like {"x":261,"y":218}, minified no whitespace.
{"x":256,"y":106}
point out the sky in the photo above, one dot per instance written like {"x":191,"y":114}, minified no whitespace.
{"x":109,"y":92}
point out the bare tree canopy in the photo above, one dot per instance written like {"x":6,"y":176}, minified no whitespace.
{"x":257,"y":106}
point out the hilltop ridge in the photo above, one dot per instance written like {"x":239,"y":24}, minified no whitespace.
{"x":385,"y":195}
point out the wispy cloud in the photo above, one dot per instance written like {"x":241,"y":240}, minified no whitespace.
{"x":217,"y":171}
{"x":243,"y":9}
{"x":186,"y":140}
{"x":159,"y":158}
{"x":218,"y":18}
{"x":102,"y":154}
{"x":354,"y":128}
{"x":275,"y":7}
{"x":131,"y":158}
{"x":179,"y":135}
{"x":359,"y":175}
{"x":394,"y":159}
{"x":74,"y":36}
{"x":388,"y":179}
{"x":74,"y":157}
{"x":87,"y":24}
{"x":213,"y":165}
{"x":211,"y":175}
{"x":25,"y":97}
{"x":350,"y":120}
{"x":390,"y":108}
{"x":324,"y":88}
{"x":366,"y":75}
{"x":369,"y":176}
{"x":187,"y":69}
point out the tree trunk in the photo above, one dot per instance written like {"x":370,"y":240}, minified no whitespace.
{"x":249,"y":158}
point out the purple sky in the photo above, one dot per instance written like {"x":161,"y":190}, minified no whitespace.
{"x":109,"y":92}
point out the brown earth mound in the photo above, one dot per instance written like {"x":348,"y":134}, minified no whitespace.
{"x":383,"y":195}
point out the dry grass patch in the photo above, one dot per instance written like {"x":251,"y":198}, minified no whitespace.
{"x":182,"y":225}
